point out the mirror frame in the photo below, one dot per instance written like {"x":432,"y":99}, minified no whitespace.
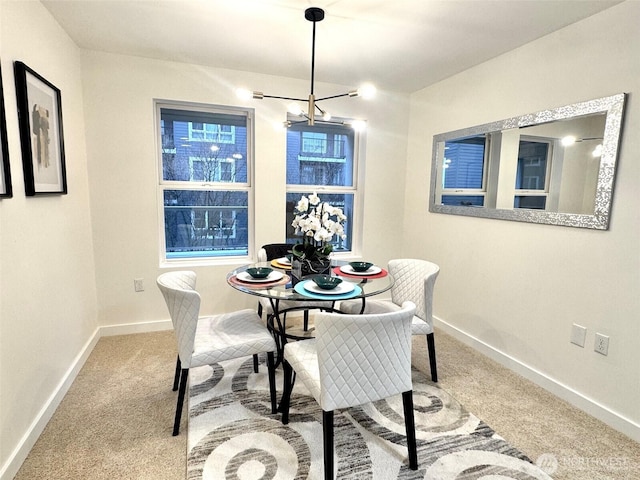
{"x":612,"y":106}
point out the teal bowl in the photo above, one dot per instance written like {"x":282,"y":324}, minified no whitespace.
{"x":361,"y":266}
{"x":259,"y":272}
{"x":327,"y":282}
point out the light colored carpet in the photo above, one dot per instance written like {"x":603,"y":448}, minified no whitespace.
{"x":115,"y":422}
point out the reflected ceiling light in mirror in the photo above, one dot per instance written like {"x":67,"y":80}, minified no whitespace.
{"x":366,"y":91}
{"x":597,"y":152}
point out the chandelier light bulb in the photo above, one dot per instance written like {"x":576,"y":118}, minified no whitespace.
{"x":367,"y":91}
{"x":326,"y":116}
{"x":568,"y":140}
{"x":243,"y":94}
{"x":281,"y":126}
{"x":359,"y":125}
{"x":294,"y":109}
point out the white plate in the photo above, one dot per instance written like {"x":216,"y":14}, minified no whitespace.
{"x":283,"y":261}
{"x":373,"y":270}
{"x":272,"y":277}
{"x":344,"y":287}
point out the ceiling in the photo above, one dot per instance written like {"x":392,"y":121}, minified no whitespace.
{"x":399,"y":45}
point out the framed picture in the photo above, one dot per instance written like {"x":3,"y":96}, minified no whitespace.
{"x":41,"y":138}
{"x":5,"y":170}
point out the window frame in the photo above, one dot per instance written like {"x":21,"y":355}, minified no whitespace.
{"x":203,"y":186}
{"x":356,"y":189}
{"x":464,"y":192}
{"x":545,"y":192}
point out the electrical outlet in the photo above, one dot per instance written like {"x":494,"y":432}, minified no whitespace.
{"x":138,"y":284}
{"x":602,"y":344}
{"x":578,"y":334}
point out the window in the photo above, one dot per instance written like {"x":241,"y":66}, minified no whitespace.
{"x":532,"y":175}
{"x":211,"y":132}
{"x":464,"y":171}
{"x":314,"y":143}
{"x":204,"y":184}
{"x":211,"y":169}
{"x":323,"y":158}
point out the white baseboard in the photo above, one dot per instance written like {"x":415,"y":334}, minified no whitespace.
{"x":18,"y":456}
{"x":28,"y":440}
{"x":129,"y":328}
{"x":575,"y":398}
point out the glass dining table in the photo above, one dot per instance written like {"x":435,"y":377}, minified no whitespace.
{"x":286,"y":294}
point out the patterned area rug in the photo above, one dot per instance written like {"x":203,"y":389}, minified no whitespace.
{"x":233,"y":435}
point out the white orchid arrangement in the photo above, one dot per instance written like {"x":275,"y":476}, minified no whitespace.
{"x":318,"y":222}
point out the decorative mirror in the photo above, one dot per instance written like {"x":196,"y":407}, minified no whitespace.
{"x":555,"y":167}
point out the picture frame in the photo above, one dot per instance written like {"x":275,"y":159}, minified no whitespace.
{"x":6,"y":190}
{"x":41,"y":134}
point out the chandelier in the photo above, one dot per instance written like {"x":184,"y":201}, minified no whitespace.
{"x":315,"y":15}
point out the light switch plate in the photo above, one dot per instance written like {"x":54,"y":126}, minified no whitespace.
{"x":578,"y":335}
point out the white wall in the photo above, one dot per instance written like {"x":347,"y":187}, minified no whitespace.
{"x":52,"y":298}
{"x":119,"y":93}
{"x":57,"y":284}
{"x":514,"y":289}
{"x":48,"y":305}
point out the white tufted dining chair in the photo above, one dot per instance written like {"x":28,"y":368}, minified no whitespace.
{"x":354,"y":359}
{"x":209,"y":340}
{"x":414,"y":281}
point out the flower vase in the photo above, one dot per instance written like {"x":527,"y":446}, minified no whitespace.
{"x":306,"y":267}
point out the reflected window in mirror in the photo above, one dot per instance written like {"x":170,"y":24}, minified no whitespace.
{"x":464,"y":171}
{"x":533,"y":172}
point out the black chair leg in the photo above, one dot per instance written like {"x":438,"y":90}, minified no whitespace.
{"x":327,"y":434}
{"x":176,"y":377}
{"x":271,"y":368}
{"x":286,"y":391}
{"x":410,"y":426}
{"x":306,"y":320}
{"x":431,"y":347}
{"x":255,"y":356}
{"x":183,"y":389}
